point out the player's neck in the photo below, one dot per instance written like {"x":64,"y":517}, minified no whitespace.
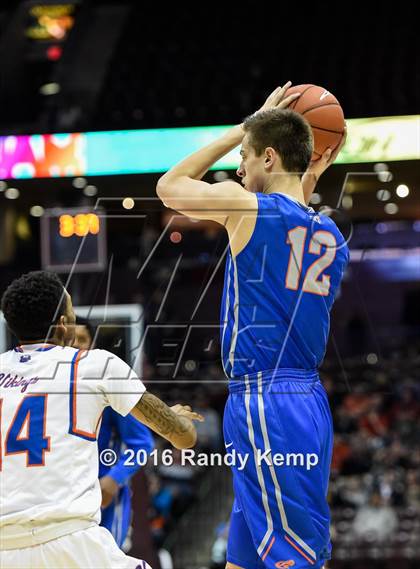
{"x":284,"y":184}
{"x":50,"y":341}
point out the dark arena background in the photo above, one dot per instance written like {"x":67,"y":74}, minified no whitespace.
{"x":97,"y":100}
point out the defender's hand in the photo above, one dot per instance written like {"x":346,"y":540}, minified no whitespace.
{"x":186,"y":418}
{"x":186,"y":411}
{"x":173,"y":424}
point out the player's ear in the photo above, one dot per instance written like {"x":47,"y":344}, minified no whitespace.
{"x":59,"y":329}
{"x":269,"y":157}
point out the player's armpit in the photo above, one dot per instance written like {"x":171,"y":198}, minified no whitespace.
{"x":200,"y":200}
{"x":174,"y":424}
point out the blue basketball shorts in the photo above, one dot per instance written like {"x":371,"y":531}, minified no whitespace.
{"x":116,"y":518}
{"x":278,"y":429}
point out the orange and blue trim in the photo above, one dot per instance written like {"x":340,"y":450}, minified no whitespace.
{"x":41,"y":348}
{"x":267,"y":551}
{"x":73,"y":430}
{"x":299,"y":550}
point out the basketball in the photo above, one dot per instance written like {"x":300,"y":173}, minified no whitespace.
{"x":323,"y":112}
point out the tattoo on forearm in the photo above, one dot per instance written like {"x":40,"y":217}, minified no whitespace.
{"x":161,"y":416}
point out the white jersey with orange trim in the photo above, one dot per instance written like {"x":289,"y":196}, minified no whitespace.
{"x":51,"y":403}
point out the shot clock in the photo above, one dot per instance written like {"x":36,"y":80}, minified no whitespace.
{"x":73,"y":240}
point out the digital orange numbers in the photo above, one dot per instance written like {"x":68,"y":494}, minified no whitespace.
{"x":79,"y":225}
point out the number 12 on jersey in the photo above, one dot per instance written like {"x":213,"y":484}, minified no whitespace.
{"x":314,"y":281}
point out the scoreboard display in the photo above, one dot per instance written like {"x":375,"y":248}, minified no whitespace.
{"x":47,"y":27}
{"x":50,"y":22}
{"x":73,"y":240}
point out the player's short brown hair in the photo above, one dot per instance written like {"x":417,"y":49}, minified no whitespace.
{"x":284,"y":130}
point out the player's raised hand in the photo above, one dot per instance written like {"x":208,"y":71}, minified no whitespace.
{"x":278,"y":100}
{"x":319,"y":166}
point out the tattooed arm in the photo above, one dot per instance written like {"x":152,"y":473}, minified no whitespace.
{"x":174,"y":424}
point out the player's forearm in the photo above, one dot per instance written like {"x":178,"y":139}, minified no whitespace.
{"x":197,"y":164}
{"x":154,"y":413}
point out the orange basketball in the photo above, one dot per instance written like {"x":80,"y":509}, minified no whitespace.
{"x":323,"y":112}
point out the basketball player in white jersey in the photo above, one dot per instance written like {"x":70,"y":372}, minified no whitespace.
{"x":51,"y":401}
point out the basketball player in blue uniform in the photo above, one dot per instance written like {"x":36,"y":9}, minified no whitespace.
{"x":283,"y":270}
{"x":117,"y":433}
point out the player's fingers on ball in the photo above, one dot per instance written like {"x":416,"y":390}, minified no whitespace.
{"x":343,"y":138}
{"x":277,"y":90}
{"x":280,"y":91}
{"x":273,"y":94}
{"x":288,"y":100}
{"x":327,"y":154}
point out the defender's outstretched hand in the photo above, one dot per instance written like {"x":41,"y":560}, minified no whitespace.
{"x":186,"y":411}
{"x":278,"y":100}
{"x":174,"y":424}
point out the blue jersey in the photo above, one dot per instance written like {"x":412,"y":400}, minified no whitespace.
{"x":279,"y":289}
{"x":119,"y":433}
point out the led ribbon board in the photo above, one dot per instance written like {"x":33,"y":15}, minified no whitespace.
{"x":383,"y":139}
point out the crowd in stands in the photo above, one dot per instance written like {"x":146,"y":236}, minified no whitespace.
{"x":375,"y":474}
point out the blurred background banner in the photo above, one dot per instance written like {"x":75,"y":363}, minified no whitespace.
{"x":384,"y":139}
